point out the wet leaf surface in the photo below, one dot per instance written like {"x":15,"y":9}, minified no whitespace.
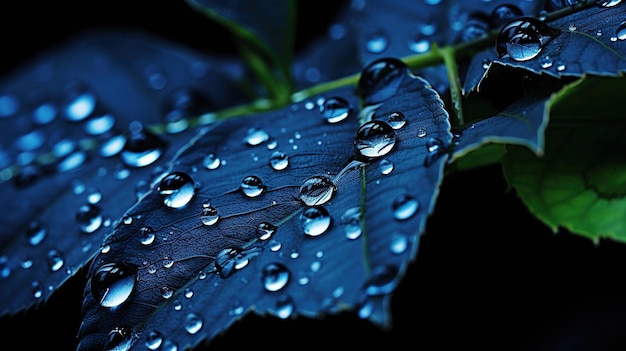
{"x":306,"y":238}
{"x":586,"y":41}
{"x":77,"y":151}
{"x":578,"y":184}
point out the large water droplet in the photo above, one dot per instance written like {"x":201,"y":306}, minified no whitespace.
{"x":211,"y":161}
{"x":396,"y":120}
{"x":380,"y":79}
{"x":89,"y":218}
{"x":252,"y":186}
{"x":317,"y":190}
{"x":209,"y":215}
{"x":119,"y":339}
{"x":274,"y":276}
{"x":36,"y":233}
{"x":142,"y":148}
{"x":404,"y":207}
{"x":177,"y":189}
{"x":265,"y":230}
{"x":620,"y":32}
{"x":112,"y":283}
{"x":279,"y":161}
{"x":335,"y":109}
{"x":193,"y":323}
{"x":523,"y":39}
{"x":374,"y":139}
{"x":315,"y":220}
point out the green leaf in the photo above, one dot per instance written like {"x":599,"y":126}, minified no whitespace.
{"x":264,"y":33}
{"x":580,"y":181}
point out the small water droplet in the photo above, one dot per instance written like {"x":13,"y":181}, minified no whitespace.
{"x":608,"y":3}
{"x":265,"y":230}
{"x":475,"y":26}
{"x":113,"y":145}
{"x":146,"y":235}
{"x":169,"y":345}
{"x":256,"y":136}
{"x":382,"y":281}
{"x":55,"y":259}
{"x":374,"y":139}
{"x":335,"y":109}
{"x":317,"y":190}
{"x":396,"y":120}
{"x":211,"y":161}
{"x":279,"y":161}
{"x":386,"y":166}
{"x":112,"y":283}
{"x":177,"y":189}
{"x":315,"y":220}
{"x":31,"y":140}
{"x":436,"y":149}
{"x":9,"y":105}
{"x":380,"y":79}
{"x":546,"y":62}
{"x":154,"y":340}
{"x":284,"y":306}
{"x":419,"y":43}
{"x":167,"y":292}
{"x":377,"y":41}
{"x":193,"y":323}
{"x":99,"y":125}
{"x":560,"y":66}
{"x":209,"y":215}
{"x":274,"y":276}
{"x":620,"y":33}
{"x":89,"y":218}
{"x":252,"y":186}
{"x":404,"y":207}
{"x":119,"y":339}
{"x":80,"y":102}
{"x":399,"y":243}
{"x":523,"y":39}
{"x":351,"y":219}
{"x":141,"y":148}
{"x":36,"y":232}
{"x":504,"y":13}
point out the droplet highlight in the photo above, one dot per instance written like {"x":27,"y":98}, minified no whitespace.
{"x":177,"y":189}
{"x":374,"y":139}
{"x":317,"y":190}
{"x":112,"y":283}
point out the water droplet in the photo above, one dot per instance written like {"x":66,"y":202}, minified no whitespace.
{"x":225,"y":261}
{"x":475,"y":26}
{"x":166,"y":292}
{"x":154,"y":340}
{"x":193,"y":323}
{"x":256,"y":136}
{"x":284,"y":306}
{"x":94,"y":196}
{"x":55,"y":259}
{"x":179,"y":106}
{"x":44,"y":113}
{"x":404,"y":207}
{"x":351,"y":219}
{"x":399,"y":243}
{"x":546,"y":62}
{"x":418,"y":43}
{"x":279,"y":161}
{"x":99,"y":125}
{"x":317,"y":190}
{"x":386,"y":166}
{"x":177,"y":189}
{"x":89,"y":218}
{"x":36,"y":233}
{"x":252,"y":186}
{"x":274,"y":276}
{"x":209,"y":215}
{"x":147,"y":235}
{"x":504,"y":13}
{"x":31,"y":140}
{"x":211,"y":161}
{"x":315,"y":220}
{"x":620,"y":33}
{"x":119,"y":339}
{"x":380,"y":79}
{"x":382,"y":281}
{"x":142,"y":148}
{"x":335,"y":109}
{"x":265,"y":230}
{"x":374,"y":139}
{"x":36,"y":289}
{"x":112,"y":283}
{"x":377,"y":41}
{"x":396,"y":120}
{"x":9,"y":105}
{"x":80,"y":102}
{"x":523,"y":39}
{"x":436,"y":149}
{"x":608,"y":3}
{"x":560,"y":66}
{"x":113,"y":145}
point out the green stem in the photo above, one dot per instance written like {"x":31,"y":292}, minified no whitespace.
{"x":449,"y":59}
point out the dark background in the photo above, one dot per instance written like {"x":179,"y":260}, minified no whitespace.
{"x":488,"y":275}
